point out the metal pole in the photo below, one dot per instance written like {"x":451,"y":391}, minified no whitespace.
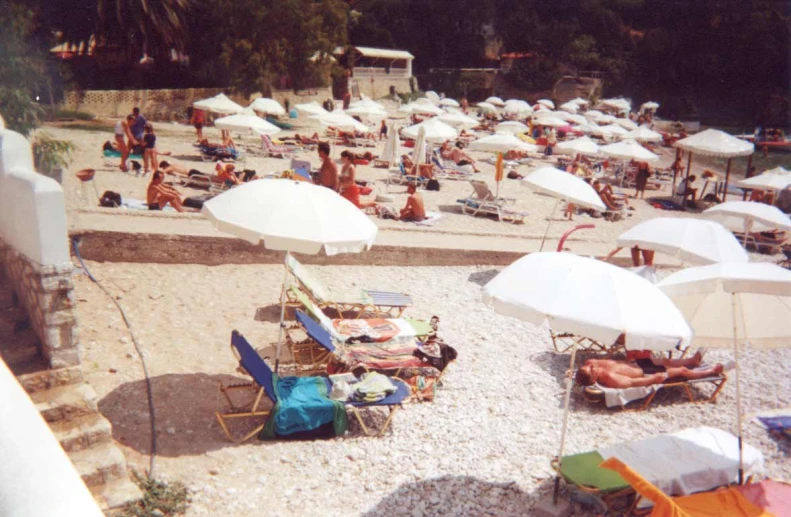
{"x":738,"y":389}
{"x":569,"y":383}
{"x":747,"y":174}
{"x":282,"y":312}
{"x":548,"y":225}
{"x":727,"y":180}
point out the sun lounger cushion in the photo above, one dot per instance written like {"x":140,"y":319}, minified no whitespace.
{"x":303,"y":405}
{"x":380,"y":329}
{"x":583,"y":470}
{"x":620,"y":397}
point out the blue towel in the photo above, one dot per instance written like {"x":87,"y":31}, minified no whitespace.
{"x":303,"y":405}
{"x":776,"y":423}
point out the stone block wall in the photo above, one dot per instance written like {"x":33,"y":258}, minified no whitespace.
{"x":47,"y":295}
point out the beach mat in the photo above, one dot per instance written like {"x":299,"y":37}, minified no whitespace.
{"x":665,"y":204}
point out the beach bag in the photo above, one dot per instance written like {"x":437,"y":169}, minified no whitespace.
{"x":432,"y":184}
{"x":110,"y":199}
{"x":197,"y":201}
{"x":108,"y":146}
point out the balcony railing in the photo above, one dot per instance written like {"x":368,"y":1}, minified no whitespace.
{"x":380,"y":72}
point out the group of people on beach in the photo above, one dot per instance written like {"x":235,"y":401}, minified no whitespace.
{"x":135,"y":135}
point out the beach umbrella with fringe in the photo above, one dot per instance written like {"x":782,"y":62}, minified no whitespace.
{"x":580,"y":101}
{"x":220,"y":103}
{"x":643,"y":134}
{"x":246,"y":120}
{"x":614,"y":130}
{"x":497,"y":101}
{"x":511,"y":126}
{"x":582,"y":145}
{"x":426,"y":109}
{"x":487,"y":107}
{"x":729,"y":304}
{"x":592,"y":114}
{"x":629,"y":150}
{"x":433,"y":97}
{"x":458,"y":119}
{"x":626,"y":124}
{"x":768,"y":181}
{"x":340,"y":120}
{"x":266,"y":105}
{"x":748,"y":216}
{"x":570,"y":107}
{"x":291,"y":216}
{"x":436,"y":130}
{"x":587,"y":297}
{"x":546,"y":102}
{"x":501,"y":143}
{"x":696,"y":241}
{"x":311,"y":108}
{"x":713,"y":142}
{"x":550,"y":121}
{"x":448,"y":102}
{"x":576,"y":119}
{"x":517,"y":107}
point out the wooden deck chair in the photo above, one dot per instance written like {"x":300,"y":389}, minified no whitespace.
{"x":263,"y":386}
{"x":355,"y":301}
{"x":483,"y":201}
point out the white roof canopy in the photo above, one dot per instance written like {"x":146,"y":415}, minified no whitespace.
{"x":385,"y":53}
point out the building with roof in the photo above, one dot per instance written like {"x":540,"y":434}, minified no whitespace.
{"x":375,"y":72}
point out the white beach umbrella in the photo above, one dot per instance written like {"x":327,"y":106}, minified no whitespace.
{"x":650,"y":105}
{"x":340,"y":120}
{"x":517,"y":106}
{"x":713,"y":142}
{"x":570,"y":107}
{"x":426,"y":109}
{"x":614,"y":130}
{"x":747,"y":216}
{"x":511,"y":126}
{"x":435,"y":130}
{"x":643,"y":134}
{"x":767,"y":181}
{"x":501,"y":142}
{"x":629,"y":150}
{"x":424,"y":101}
{"x":605,"y":119}
{"x":582,"y":145}
{"x":291,"y":216}
{"x":540,"y":108}
{"x":497,"y":101}
{"x":576,"y":119}
{"x":546,"y":102}
{"x":419,"y":155}
{"x":390,"y":153}
{"x":557,"y":289}
{"x":726,"y":304}
{"x":266,"y":105}
{"x":580,"y":101}
{"x":458,"y":119}
{"x":367,"y":111}
{"x":367,"y":103}
{"x":592,"y":114}
{"x":618,"y":104}
{"x":433,"y":97}
{"x":626,"y":123}
{"x":311,"y":108}
{"x":487,"y":107}
{"x":550,"y":121}
{"x":692,"y":240}
{"x":449,"y":102}
{"x":220,"y":103}
{"x":780,"y":170}
{"x":591,"y":129}
{"x":246,"y":120}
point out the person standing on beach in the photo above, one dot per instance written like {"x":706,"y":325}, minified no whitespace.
{"x":123,"y":134}
{"x":138,"y":125}
{"x":552,"y":139}
{"x":198,"y":119}
{"x":383,"y":130}
{"x":328,"y":173}
{"x":641,"y":179}
{"x":149,"y":149}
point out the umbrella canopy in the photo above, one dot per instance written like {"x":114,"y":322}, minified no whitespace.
{"x":487,"y":107}
{"x":576,"y":119}
{"x":501,"y":142}
{"x":615,"y":130}
{"x":582,"y":145}
{"x":266,"y":105}
{"x":458,"y":119}
{"x":367,"y":111}
{"x":419,"y":151}
{"x":562,"y":185}
{"x":767,"y":181}
{"x":605,"y":119}
{"x":626,"y":123}
{"x":778,"y":170}
{"x":517,"y":107}
{"x":550,"y":121}
{"x":591,"y":129}
{"x":425,"y":108}
{"x":449,"y":102}
{"x":571,"y":107}
{"x":713,"y":142}
{"x":593,"y":114}
{"x":220,"y":103}
{"x":390,"y":153}
{"x":497,"y":101}
{"x":511,"y":126}
{"x":557,"y":288}
{"x":691,"y":240}
{"x":433,"y":97}
{"x":618,"y":104}
{"x":546,"y":102}
{"x":311,"y":108}
{"x":246,"y":120}
{"x":435,"y":130}
{"x":540,"y":108}
{"x":629,"y":150}
{"x":650,"y":105}
{"x":747,"y":216}
{"x":643,"y":134}
{"x":340,"y":120}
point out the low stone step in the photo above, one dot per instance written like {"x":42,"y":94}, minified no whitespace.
{"x":18,"y":347}
{"x":83,"y":432}
{"x":66,"y":402}
{"x":36,"y":377}
{"x":116,"y":493}
{"x":100,"y":465}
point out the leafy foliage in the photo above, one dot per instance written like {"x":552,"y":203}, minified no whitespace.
{"x":159,"y":498}
{"x":50,"y":154}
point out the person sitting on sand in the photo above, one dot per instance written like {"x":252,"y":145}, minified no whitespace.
{"x":159,"y":194}
{"x":414,"y":210}
{"x":645,"y":372}
{"x":457,"y":156}
{"x":424,"y":170}
{"x":685,"y":189}
{"x":606,"y":194}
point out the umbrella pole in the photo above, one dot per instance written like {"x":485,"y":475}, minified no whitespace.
{"x":543,"y":240}
{"x":282,"y":312}
{"x":727,"y":180}
{"x":738,"y":390}
{"x":569,"y":383}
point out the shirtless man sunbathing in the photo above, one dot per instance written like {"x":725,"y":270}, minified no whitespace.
{"x":159,"y":194}
{"x":414,"y":210}
{"x":622,"y":374}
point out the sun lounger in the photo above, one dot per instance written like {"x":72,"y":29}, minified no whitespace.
{"x":268,"y":148}
{"x":360,"y":302}
{"x":563,"y":342}
{"x":764,"y":499}
{"x":400,"y":177}
{"x":483,"y":201}
{"x":450,"y":171}
{"x":267,"y":384}
{"x":764,"y":242}
{"x":692,"y":460}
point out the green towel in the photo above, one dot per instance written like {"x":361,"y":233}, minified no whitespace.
{"x":303,"y":405}
{"x":583,"y":469}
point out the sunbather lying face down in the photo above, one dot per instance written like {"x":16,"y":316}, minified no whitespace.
{"x":621,"y":374}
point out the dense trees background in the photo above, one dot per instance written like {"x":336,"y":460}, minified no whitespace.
{"x":716,"y":58}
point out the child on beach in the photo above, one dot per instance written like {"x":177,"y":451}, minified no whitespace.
{"x":149,"y":149}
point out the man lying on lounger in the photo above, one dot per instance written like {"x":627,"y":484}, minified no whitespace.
{"x":622,"y":374}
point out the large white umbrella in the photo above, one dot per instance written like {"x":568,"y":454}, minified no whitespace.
{"x":713,"y":142}
{"x":550,"y":121}
{"x":458,"y":119}
{"x":487,"y":107}
{"x":368,"y":103}
{"x":435,"y":130}
{"x":367,"y":111}
{"x":778,"y":170}
{"x":511,"y":126}
{"x":582,"y":145}
{"x":501,"y":142}
{"x":692,"y":240}
{"x":571,"y":107}
{"x":591,"y":129}
{"x":747,"y":216}
{"x":541,"y":108}
{"x":650,"y":105}
{"x":592,"y":114}
{"x":767,"y":181}
{"x":246,"y":120}
{"x":629,"y":150}
{"x":419,"y":155}
{"x":615,"y":130}
{"x":562,"y":185}
{"x":291,"y":216}
{"x":618,"y":104}
{"x":731,"y":303}
{"x":580,"y":101}
{"x":605,"y":119}
{"x":266,"y":105}
{"x":643,"y":134}
{"x":390,"y":153}
{"x":576,"y":119}
{"x":311,"y":108}
{"x":220,"y":103}
{"x":626,"y":123}
{"x":497,"y":101}
{"x":589,"y":298}
{"x":546,"y":102}
{"x":425,"y":108}
{"x":517,"y":107}
{"x":432,"y":96}
{"x":340,"y":120}
{"x":447,"y":101}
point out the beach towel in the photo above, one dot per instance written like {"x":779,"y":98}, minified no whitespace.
{"x":137,"y":204}
{"x":117,"y":154}
{"x":664,"y":204}
{"x":621,"y":397}
{"x":302,"y":405}
{"x":431,"y":219}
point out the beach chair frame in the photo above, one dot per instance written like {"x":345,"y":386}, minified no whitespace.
{"x":564,"y":341}
{"x":595,"y":395}
{"x":483,"y":201}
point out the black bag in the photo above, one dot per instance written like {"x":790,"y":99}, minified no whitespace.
{"x":197,"y":201}
{"x":108,"y":146}
{"x":110,"y":199}
{"x":432,"y":185}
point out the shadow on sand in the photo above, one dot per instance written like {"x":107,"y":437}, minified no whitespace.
{"x":483,"y":277}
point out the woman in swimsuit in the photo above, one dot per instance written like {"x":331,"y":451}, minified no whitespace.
{"x":122,"y":131}
{"x":349,"y":188}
